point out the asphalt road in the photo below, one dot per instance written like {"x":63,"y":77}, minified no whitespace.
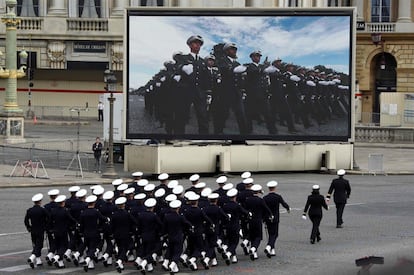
{"x":378,"y":220}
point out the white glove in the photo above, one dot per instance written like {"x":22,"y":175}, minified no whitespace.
{"x":271,"y":69}
{"x":295,"y":78}
{"x":158,"y":84}
{"x":163,"y":79}
{"x":304,"y":217}
{"x":310,"y":83}
{"x":188,"y":69}
{"x":177,"y":78}
{"x":240,"y":69}
{"x":229,"y":216}
{"x":218,"y":80}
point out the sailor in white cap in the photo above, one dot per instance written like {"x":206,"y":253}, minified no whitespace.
{"x":313,"y":209}
{"x":72,"y":190}
{"x":75,"y":240}
{"x":221,"y":181}
{"x":137,"y":176}
{"x":90,"y":221}
{"x":149,"y":189}
{"x":273,"y":200}
{"x":198,"y":219}
{"x":53,"y":193}
{"x":164,"y":179}
{"x":115,"y":184}
{"x":194,"y":179}
{"x":259,"y":211}
{"x":175,"y":225}
{"x":35,"y":220}
{"x":172,"y":184}
{"x":61,"y":220}
{"x":150,"y":226}
{"x":240,"y":186}
{"x":98,"y":192}
{"x":341,"y":190}
{"x":122,"y":222}
{"x":235,"y":212}
{"x":106,"y":209}
{"x":241,"y":198}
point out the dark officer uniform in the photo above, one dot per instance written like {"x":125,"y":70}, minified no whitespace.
{"x":273,"y":200}
{"x":342,"y":191}
{"x":314,"y":205}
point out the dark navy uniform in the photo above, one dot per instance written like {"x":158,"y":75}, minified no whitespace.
{"x":107,"y":209}
{"x":341,"y":191}
{"x":232,"y":228}
{"x":61,"y":220}
{"x":313,"y":207}
{"x":150,"y":228}
{"x":91,"y":222}
{"x":219,"y":219}
{"x":36,"y":220}
{"x":122,"y":224}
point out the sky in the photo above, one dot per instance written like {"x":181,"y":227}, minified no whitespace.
{"x":303,"y":40}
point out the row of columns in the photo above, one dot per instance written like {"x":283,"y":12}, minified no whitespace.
{"x":404,"y":10}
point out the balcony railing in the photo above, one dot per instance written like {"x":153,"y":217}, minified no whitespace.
{"x":381,"y":27}
{"x":82,"y":24}
{"x":30,"y":23}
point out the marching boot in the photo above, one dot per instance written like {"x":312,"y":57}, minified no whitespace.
{"x":173,"y":268}
{"x":109,"y":261}
{"x":138,"y":262}
{"x":193,"y":264}
{"x":227,"y":258}
{"x":91,"y":265}
{"x":49,"y":258}
{"x":105,"y":259}
{"x":31,"y":260}
{"x":55,"y":261}
{"x":143,"y":266}
{"x":86,"y":265}
{"x":67,"y":254}
{"x":253,"y":254}
{"x":39,"y":261}
{"x":75,"y":257}
{"x":205,"y":262}
{"x":150,"y":267}
{"x":81,"y":260}
{"x":183,"y":260}
{"x":214,"y":262}
{"x":119,"y":266}
{"x":60,"y":264}
{"x":219,"y":245}
{"x":234,"y":259}
{"x":165,"y":265}
{"x":273,"y":252}
{"x":244,"y":244}
{"x":268,"y":251}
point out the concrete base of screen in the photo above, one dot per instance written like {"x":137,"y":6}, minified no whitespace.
{"x":213,"y":158}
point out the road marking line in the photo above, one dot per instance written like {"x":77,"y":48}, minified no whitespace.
{"x":15,"y":253}
{"x":15,"y":268}
{"x":64,"y":271}
{"x":14,"y":233}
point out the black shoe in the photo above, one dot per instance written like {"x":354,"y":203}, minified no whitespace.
{"x":318,"y":239}
{"x":85,"y":268}
{"x":312,"y":241}
{"x":339,"y":226}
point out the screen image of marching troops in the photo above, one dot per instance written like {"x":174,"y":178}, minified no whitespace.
{"x":213,"y":87}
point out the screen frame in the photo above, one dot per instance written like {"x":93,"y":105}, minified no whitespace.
{"x":261,"y":12}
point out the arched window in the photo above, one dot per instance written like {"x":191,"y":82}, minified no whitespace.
{"x":28,"y":8}
{"x":381,"y":10}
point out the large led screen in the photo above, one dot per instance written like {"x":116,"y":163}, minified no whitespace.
{"x":239,"y":74}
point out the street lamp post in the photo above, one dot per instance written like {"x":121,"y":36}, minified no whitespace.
{"x":110,"y":86}
{"x":11,"y":116}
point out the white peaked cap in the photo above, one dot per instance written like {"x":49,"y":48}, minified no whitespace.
{"x":193,"y":197}
{"x":248,"y":181}
{"x":98,"y":191}
{"x":60,"y":198}
{"x":108,"y":195}
{"x":246,"y":175}
{"x":179,"y":189}
{"x":142,"y":182}
{"x":159,"y":193}
{"x":140,"y":196}
{"x":200,"y":185}
{"x":172,"y":184}
{"x":149,"y":187}
{"x":130,"y":190}
{"x":340,"y":172}
{"x":232,"y":192}
{"x":228,"y":186}
{"x":272,"y":183}
{"x":137,"y":174}
{"x":151,"y":202}
{"x":221,"y":179}
{"x":171,"y":197}
{"x":206,"y":192}
{"x":163,"y":176}
{"x":91,"y":198}
{"x":195,"y":177}
{"x":117,"y":182}
{"x":74,"y":188}
{"x":81,"y":193}
{"x":37,"y":197}
{"x":53,"y":192}
{"x":213,"y":196}
{"x":315,"y":187}
{"x":189,"y":194}
{"x":122,"y":187}
{"x":120,"y":200}
{"x":175,"y":204}
{"x":256,"y":187}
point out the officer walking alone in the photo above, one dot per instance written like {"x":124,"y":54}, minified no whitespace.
{"x":314,"y":205}
{"x":341,"y":191}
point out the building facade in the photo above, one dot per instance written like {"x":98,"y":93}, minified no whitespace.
{"x":72,"y":42}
